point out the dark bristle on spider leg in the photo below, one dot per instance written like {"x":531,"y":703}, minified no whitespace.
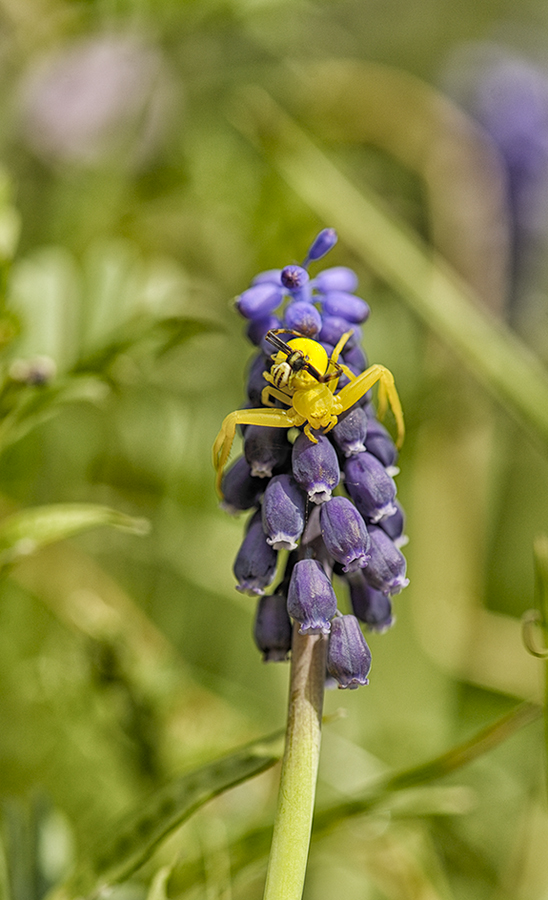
{"x":315,"y":382}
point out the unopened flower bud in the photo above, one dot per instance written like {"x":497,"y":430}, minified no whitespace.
{"x":337,"y":278}
{"x":311,"y":599}
{"x":322,"y":244}
{"x":345,"y":305}
{"x":348,"y":656}
{"x":294,"y":277}
{"x":303,"y":317}
{"x":259,"y":301}
{"x":333,"y":328}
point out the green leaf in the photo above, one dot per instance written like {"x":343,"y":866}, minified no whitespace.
{"x":431,"y":288}
{"x":130,"y":842}
{"x":25,"y":532}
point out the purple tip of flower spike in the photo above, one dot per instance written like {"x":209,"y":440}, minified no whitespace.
{"x":350,"y":431}
{"x":322,"y":244}
{"x":387,"y":566}
{"x":294,"y":277}
{"x":272,"y":628}
{"x":270,"y":276}
{"x":255,"y":564}
{"x":348,"y":656}
{"x":239,"y":489}
{"x":311,"y":599}
{"x":337,"y":278}
{"x":266,"y":449}
{"x":283,"y":512}
{"x":368,"y":605}
{"x":346,"y":306}
{"x":315,"y":467}
{"x":258,"y":301}
{"x":370,"y":486}
{"x":345,"y":533}
{"x":303,"y":317}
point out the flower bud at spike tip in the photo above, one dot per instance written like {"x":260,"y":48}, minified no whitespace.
{"x":386,"y":569}
{"x":345,"y":534}
{"x":311,"y":599}
{"x":347,"y":306}
{"x":294,"y":277}
{"x":333,"y":328}
{"x":303,"y":317}
{"x":283,"y":512}
{"x":315,"y":467}
{"x":322,"y":244}
{"x":255,"y":564}
{"x":257,"y":328}
{"x":258,"y":301}
{"x":370,"y":487}
{"x":337,"y":278}
{"x":272,"y":629}
{"x":348,"y":656}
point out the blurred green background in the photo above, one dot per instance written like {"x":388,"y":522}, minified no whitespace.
{"x":140,"y":157}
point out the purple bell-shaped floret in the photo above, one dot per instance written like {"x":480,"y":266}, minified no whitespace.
{"x":315,"y":467}
{"x":348,"y":656}
{"x":344,"y":533}
{"x":255,"y":564}
{"x":311,"y":599}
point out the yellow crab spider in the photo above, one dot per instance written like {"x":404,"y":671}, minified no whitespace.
{"x":304,"y":378}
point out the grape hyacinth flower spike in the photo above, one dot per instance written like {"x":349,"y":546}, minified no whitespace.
{"x":317,"y":480}
{"x":313,"y":440}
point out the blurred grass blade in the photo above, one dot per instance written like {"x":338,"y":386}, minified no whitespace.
{"x":255,"y":844}
{"x":506,"y":367}
{"x":159,"y":336}
{"x":541,"y":571}
{"x":25,"y":532}
{"x":158,"y":885}
{"x":132,"y":841}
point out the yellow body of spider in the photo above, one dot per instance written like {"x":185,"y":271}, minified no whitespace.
{"x":312,"y":402}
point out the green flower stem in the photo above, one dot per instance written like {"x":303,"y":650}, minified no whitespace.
{"x":293,"y":824}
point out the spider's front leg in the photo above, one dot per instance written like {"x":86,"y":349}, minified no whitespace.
{"x":388,"y":394}
{"x":272,"y":418}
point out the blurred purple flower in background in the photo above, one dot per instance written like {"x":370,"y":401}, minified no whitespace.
{"x":97,"y":97}
{"x":507,"y":94}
